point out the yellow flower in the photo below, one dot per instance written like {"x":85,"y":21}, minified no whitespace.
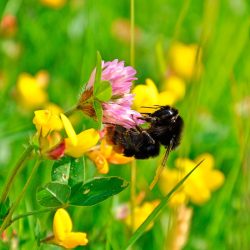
{"x":53,"y":108}
{"x":104,"y":154}
{"x":78,"y":144}
{"x":183,"y":59}
{"x":198,"y":186}
{"x":176,"y":86}
{"x":100,"y":161}
{"x":46,"y":122}
{"x":54,"y":3}
{"x":30,"y":92}
{"x":69,"y":129}
{"x":62,"y":229}
{"x":148,"y":95}
{"x":145,"y":95}
{"x":141,"y":213}
{"x":85,"y":140}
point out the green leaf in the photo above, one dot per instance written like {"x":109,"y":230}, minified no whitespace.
{"x":54,"y":194}
{"x":157,"y":211}
{"x":103,"y":91}
{"x":68,"y":170}
{"x":76,"y":171}
{"x":4,"y":209}
{"x":96,"y":190}
{"x":98,"y":73}
{"x":38,"y":232}
{"x":98,"y":111}
{"x":61,"y":170}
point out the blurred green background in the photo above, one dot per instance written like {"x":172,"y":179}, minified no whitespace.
{"x":216,"y":108}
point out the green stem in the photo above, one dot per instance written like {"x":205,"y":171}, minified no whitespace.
{"x":3,"y":4}
{"x":70,"y":111}
{"x":133,"y":193}
{"x":132,"y":33}
{"x":15,"y":171}
{"x":156,"y":211}
{"x":7,"y":219}
{"x":180,"y":20}
{"x":31,"y":213}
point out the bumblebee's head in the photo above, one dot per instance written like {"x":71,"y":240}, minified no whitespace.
{"x":166,"y":114}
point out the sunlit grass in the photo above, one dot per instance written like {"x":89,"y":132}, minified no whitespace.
{"x":215,"y":108}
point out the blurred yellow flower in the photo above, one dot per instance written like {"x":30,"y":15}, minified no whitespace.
{"x":198,"y":186}
{"x":30,"y":92}
{"x":176,"y":86}
{"x":184,"y":58}
{"x":46,"y":122}
{"x":54,"y":3}
{"x":148,"y":95}
{"x":62,"y":229}
{"x":53,"y":108}
{"x":141,"y":213}
{"x":104,"y":154}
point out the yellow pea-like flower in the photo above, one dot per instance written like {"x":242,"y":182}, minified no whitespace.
{"x":84,"y":141}
{"x":100,"y":161}
{"x":185,"y":59}
{"x":54,"y":3}
{"x":69,"y":129}
{"x":62,"y":229}
{"x":46,"y":121}
{"x":176,"y":86}
{"x":141,"y":213}
{"x":104,"y":154}
{"x":199,"y":185}
{"x":145,"y":95}
{"x":29,"y":92}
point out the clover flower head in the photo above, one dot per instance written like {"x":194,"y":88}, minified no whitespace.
{"x":119,"y":76}
{"x":118,"y":114}
{"x":117,"y":110}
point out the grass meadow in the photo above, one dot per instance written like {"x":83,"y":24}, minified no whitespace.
{"x":201,"y":45}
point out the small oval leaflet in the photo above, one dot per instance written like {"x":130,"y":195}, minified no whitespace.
{"x":96,"y":190}
{"x":53,"y":194}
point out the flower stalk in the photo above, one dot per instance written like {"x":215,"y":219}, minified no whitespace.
{"x":157,"y":210}
{"x":26,"y":154}
{"x":7,"y":219}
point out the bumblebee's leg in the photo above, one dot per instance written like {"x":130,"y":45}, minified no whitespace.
{"x":143,"y":131}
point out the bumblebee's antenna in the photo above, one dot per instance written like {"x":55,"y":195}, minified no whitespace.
{"x":161,"y":167}
{"x":152,"y":107}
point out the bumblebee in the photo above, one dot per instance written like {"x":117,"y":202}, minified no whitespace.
{"x":133,"y":142}
{"x":164,"y":128}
